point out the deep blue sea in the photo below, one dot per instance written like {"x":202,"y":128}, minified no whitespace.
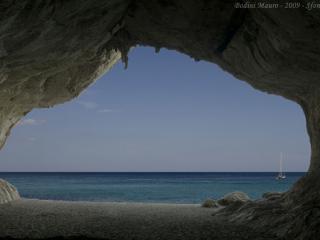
{"x":145,"y":187}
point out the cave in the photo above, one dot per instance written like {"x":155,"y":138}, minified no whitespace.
{"x":51,"y":51}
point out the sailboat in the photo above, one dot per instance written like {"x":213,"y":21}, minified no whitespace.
{"x":281,"y":175}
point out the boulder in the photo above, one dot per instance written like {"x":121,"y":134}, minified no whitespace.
{"x":234,"y":197}
{"x":210,"y":203}
{"x":8,"y":192}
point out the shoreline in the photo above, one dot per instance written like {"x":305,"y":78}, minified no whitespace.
{"x":108,"y":202}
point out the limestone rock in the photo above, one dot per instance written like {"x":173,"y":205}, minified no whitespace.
{"x":210,"y":203}
{"x":8,"y":192}
{"x":234,"y":197}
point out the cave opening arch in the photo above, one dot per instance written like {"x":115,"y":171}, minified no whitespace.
{"x":227,"y":126}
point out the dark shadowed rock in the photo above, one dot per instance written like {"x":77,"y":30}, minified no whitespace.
{"x":272,"y":195}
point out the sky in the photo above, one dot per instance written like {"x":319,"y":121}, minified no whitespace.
{"x":166,"y":112}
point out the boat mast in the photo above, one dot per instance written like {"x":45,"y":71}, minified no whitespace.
{"x":281,"y":159}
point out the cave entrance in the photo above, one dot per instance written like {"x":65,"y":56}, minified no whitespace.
{"x":165,"y":113}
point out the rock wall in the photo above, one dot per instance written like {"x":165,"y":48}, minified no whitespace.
{"x":8,"y":192}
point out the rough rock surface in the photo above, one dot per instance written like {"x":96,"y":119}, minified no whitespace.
{"x":8,"y":192}
{"x":51,"y":50}
{"x":234,"y":197}
{"x":210,"y":203}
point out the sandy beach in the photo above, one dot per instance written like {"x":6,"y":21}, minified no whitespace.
{"x":39,"y":219}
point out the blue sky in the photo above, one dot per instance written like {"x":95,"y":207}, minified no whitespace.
{"x":166,"y":112}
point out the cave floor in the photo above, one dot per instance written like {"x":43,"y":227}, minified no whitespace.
{"x":38,"y":219}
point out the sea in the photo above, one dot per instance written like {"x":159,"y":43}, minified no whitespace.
{"x":146,"y":187}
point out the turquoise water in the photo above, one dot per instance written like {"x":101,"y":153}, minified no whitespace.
{"x":145,"y":187}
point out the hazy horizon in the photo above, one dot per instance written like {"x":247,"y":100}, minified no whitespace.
{"x":165,"y":113}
